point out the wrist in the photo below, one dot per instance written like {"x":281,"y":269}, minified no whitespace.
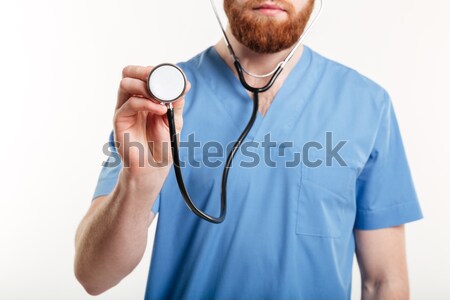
{"x":143,"y":181}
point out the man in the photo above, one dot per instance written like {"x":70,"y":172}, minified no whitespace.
{"x":291,"y":228}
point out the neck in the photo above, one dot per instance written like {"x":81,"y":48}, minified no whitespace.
{"x":254,"y":62}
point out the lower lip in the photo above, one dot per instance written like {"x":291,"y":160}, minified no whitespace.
{"x":269,"y":11}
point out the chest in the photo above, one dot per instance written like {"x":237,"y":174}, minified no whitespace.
{"x":266,"y":98}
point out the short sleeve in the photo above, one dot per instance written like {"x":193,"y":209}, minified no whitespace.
{"x":109,"y":173}
{"x":385,"y":192}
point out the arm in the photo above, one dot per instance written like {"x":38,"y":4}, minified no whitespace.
{"x":381,"y":257}
{"x":112,"y":237}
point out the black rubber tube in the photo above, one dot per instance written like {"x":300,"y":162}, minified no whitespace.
{"x":176,"y":157}
{"x":177,"y":168}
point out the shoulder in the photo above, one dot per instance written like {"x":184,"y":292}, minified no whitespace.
{"x":344,"y":80}
{"x":198,"y":62}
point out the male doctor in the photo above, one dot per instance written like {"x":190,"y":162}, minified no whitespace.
{"x":292,"y":228}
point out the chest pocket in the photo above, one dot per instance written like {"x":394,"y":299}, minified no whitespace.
{"x":326,"y":199}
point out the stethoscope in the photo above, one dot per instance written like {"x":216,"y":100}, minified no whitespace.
{"x":167,"y":83}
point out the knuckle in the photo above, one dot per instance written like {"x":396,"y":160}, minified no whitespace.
{"x":134,"y":102}
{"x":131,"y":101}
{"x":126,"y":70}
{"x":124,"y":83}
{"x":114,"y":118}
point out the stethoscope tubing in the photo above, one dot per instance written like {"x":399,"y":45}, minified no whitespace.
{"x":255,"y":90}
{"x":236,"y":146}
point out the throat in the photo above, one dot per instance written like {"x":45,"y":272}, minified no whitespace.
{"x":265,"y":101}
{"x":264,"y":105}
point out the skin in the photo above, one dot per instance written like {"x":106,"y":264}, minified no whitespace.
{"x":112,"y":237}
{"x":381,"y":256}
{"x":261,"y":63}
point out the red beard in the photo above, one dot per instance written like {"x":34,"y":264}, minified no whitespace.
{"x":265,"y":34}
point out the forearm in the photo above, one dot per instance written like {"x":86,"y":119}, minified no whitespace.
{"x":385,"y":290}
{"x":111,"y":241}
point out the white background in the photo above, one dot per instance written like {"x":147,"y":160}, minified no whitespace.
{"x":61,"y":63}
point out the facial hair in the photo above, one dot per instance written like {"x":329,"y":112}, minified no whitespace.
{"x":264,"y":34}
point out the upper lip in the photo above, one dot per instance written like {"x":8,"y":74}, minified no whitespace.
{"x":269,"y":5}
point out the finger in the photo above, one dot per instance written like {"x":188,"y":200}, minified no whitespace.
{"x":188,"y":87}
{"x":131,"y":87}
{"x":136,"y":104}
{"x":137,"y":72}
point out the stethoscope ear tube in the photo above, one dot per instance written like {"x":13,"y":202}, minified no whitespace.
{"x":176,"y":156}
{"x":255,"y":90}
{"x":177,"y":168}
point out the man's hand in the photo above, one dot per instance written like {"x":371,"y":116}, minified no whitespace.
{"x":112,"y":237}
{"x":144,"y":120}
{"x":381,"y":256}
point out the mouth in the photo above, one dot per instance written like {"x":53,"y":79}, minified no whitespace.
{"x":269,"y":9}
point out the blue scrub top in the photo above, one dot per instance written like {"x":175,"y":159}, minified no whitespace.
{"x":289,"y":229}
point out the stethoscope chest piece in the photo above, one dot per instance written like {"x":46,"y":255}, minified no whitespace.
{"x":166,"y":83}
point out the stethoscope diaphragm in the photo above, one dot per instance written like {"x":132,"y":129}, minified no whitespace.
{"x":166,"y":83}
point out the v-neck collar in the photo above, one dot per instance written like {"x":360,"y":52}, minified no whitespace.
{"x":224,"y":82}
